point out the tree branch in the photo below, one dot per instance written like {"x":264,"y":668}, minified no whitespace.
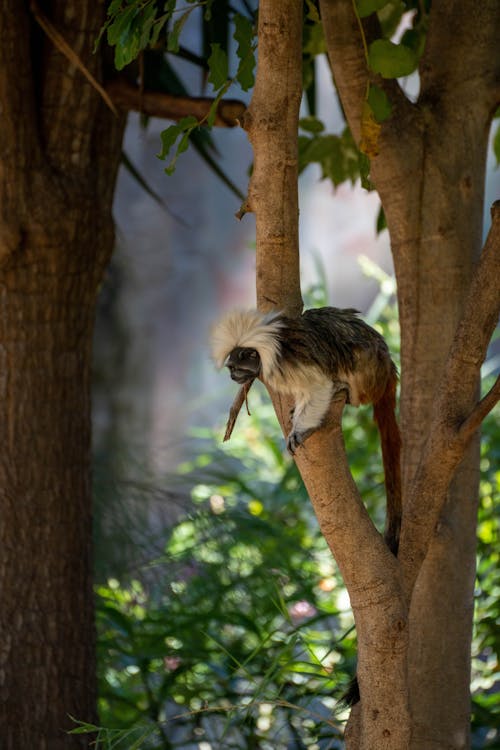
{"x":394,"y":170}
{"x":454,"y":27}
{"x":127,"y":96}
{"x":346,"y":37}
{"x":455,"y":420}
{"x":347,"y":58}
{"x":480,"y":411}
{"x":370,"y":570}
{"x":272,"y":125}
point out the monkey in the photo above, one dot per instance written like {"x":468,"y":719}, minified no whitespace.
{"x":316,"y":357}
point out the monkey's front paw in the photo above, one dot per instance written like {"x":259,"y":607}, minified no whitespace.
{"x":295,"y":439}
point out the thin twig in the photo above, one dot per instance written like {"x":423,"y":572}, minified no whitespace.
{"x":240,"y":399}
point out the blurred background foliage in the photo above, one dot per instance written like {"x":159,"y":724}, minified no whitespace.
{"x":238,"y":633}
{"x":228,"y":626}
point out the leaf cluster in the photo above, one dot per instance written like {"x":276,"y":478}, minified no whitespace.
{"x":338,"y":156}
{"x":239,"y":634}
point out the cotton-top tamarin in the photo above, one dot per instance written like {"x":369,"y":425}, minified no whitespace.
{"x":312,"y":358}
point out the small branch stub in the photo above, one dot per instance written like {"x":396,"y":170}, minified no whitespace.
{"x":240,"y":399}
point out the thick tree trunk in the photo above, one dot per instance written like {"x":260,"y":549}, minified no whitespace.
{"x":46,"y":618}
{"x":59,"y":154}
{"x":430,"y":176}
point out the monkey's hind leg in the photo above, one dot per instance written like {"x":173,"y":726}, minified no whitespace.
{"x":309,"y":412}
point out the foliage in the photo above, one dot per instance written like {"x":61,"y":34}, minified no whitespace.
{"x":486,"y":643}
{"x":240,"y":635}
{"x":160,"y":31}
{"x":145,"y":27}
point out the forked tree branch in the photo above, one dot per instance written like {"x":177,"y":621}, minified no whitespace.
{"x":455,"y":420}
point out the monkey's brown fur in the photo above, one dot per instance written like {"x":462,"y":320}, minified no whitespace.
{"x":313,"y":357}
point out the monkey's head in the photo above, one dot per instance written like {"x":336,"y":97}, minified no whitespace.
{"x":243,"y":364}
{"x":247,"y":342}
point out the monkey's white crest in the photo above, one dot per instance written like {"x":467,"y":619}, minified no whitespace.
{"x":248,"y":328}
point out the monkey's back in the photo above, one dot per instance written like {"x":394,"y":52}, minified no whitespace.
{"x":340,"y":344}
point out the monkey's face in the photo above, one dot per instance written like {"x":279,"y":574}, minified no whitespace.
{"x":243,"y":364}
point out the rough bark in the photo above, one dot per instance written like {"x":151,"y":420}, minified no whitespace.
{"x":373,"y":581}
{"x":271,"y":123}
{"x":58,"y":159}
{"x":432,"y":195}
{"x":430,"y":176}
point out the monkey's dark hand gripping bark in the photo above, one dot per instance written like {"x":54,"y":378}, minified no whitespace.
{"x":313,"y":358}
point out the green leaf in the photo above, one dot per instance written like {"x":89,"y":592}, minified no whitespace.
{"x":168,"y":138}
{"x":83,"y":727}
{"x":314,"y":40}
{"x":379,"y":103}
{"x":173,"y":37}
{"x":183,"y":143}
{"x":381,"y":221}
{"x":245,"y":74}
{"x":364,"y":172}
{"x":213,"y":108}
{"x":119,"y":29}
{"x":496,"y":145}
{"x":367,"y":7}
{"x":123,"y":34}
{"x":114,"y":7}
{"x":312,"y":12}
{"x":243,"y":35}
{"x":391,"y":60}
{"x":311,"y":124}
{"x":218,"y":64}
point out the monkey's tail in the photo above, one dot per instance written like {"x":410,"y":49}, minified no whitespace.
{"x":384,"y":412}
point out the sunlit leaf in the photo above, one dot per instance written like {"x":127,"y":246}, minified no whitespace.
{"x":391,"y":60}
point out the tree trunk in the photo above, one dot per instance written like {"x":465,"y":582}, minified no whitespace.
{"x":413,"y":615}
{"x":46,"y":619}
{"x":58,"y":161}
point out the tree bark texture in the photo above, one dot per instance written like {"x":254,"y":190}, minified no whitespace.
{"x":271,"y":122}
{"x":430,"y":176}
{"x":58,"y":160}
{"x":413,"y":615}
{"x":374,"y":581}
